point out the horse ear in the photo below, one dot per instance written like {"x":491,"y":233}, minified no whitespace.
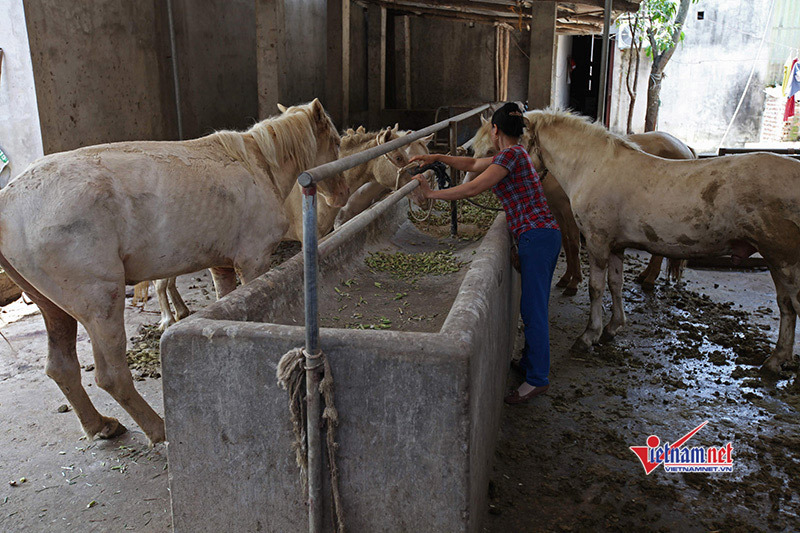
{"x":361,"y":130}
{"x":527,"y":122}
{"x":318,"y":110}
{"x":396,"y":127}
{"x":384,"y":136}
{"x":282,"y":108}
{"x":484,"y":121}
{"x":428,"y":139}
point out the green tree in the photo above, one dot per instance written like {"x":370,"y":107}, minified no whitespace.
{"x":662,"y":23}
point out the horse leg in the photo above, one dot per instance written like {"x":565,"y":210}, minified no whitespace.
{"x":650,"y":275}
{"x":224,"y":280}
{"x":617,"y":307}
{"x":784,"y":348}
{"x":573,"y":241}
{"x":167,"y":318}
{"x":62,"y":362}
{"x":597,"y":274}
{"x":181,"y":309}
{"x":105,"y":323}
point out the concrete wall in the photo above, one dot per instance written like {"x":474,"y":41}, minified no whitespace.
{"x":706,"y":77}
{"x":20,"y":137}
{"x":103,"y":69}
{"x":305,"y":51}
{"x":419,"y":412}
{"x":216,"y":64}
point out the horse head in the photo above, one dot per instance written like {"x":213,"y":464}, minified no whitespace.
{"x":327,"y":140}
{"x":396,"y":174}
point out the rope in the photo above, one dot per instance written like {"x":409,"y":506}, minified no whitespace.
{"x":431,"y":203}
{"x":291,"y":374}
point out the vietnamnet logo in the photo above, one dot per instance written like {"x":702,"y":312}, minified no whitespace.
{"x":679,"y":458}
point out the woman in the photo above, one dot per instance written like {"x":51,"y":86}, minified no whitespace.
{"x":511,"y":176}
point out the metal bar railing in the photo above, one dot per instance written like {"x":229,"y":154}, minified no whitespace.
{"x":308,"y":181}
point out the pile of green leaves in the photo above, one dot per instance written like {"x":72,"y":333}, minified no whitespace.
{"x":406,"y":266}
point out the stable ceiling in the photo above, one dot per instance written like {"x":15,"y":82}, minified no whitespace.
{"x":574,"y":18}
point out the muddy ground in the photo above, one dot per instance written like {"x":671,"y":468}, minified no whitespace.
{"x":688,"y":355}
{"x":562,"y":462}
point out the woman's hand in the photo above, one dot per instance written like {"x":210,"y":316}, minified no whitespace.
{"x":425,"y":159}
{"x":423,"y":188}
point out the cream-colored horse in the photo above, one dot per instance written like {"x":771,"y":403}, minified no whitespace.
{"x":655,"y":143}
{"x":377,"y":176}
{"x":75,"y":227}
{"x":384,"y":172}
{"x":624,"y":198}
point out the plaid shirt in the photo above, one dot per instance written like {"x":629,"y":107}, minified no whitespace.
{"x":521,"y":193}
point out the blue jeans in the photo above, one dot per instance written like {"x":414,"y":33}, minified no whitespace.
{"x":538,"y":255}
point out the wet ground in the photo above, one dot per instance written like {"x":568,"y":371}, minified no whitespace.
{"x":562,"y":461}
{"x":687,"y":356}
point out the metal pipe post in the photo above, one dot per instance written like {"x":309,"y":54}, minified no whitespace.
{"x":312,"y":360}
{"x":454,"y":175}
{"x":601,"y":93}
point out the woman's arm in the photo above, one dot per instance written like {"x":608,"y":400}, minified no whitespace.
{"x":488,"y":178}
{"x":467,"y":164}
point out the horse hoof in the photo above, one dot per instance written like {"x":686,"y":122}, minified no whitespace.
{"x":772,"y":365}
{"x":570,"y":291}
{"x":562,"y":283}
{"x":579,"y":346}
{"x":648,"y":286}
{"x":606,"y":336}
{"x":112,"y":428}
{"x":164,"y":324}
{"x":183,"y":315}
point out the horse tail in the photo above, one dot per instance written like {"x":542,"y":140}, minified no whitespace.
{"x":675,"y":269}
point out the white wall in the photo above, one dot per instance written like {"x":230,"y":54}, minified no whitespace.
{"x":563,"y":51}
{"x":20,"y":134}
{"x":706,"y":77}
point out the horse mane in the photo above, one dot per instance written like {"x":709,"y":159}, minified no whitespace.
{"x":355,"y":140}
{"x":286,"y":136}
{"x":551,"y":116}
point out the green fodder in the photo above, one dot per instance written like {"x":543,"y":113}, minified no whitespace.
{"x":467,"y":213}
{"x":405,"y":266}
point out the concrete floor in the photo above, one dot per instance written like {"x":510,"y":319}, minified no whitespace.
{"x":562,"y":462}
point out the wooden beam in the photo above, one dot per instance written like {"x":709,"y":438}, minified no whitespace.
{"x":376,"y":63}
{"x":337,"y":80}
{"x":541,"y":68}
{"x":405,"y":30}
{"x":270,"y":54}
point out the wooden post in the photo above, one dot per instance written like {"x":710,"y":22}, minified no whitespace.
{"x":542,"y":60}
{"x":270,"y":39}
{"x":376,"y":63}
{"x":406,"y":26}
{"x":337,"y":80}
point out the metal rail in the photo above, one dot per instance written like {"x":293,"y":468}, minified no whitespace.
{"x":308,"y":181}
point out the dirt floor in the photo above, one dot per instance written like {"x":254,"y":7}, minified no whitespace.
{"x":562,"y":462}
{"x":688,"y":355}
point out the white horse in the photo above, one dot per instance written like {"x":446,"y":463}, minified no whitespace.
{"x":385,"y":173}
{"x":624,"y":198}
{"x":657,"y":143}
{"x":75,"y":227}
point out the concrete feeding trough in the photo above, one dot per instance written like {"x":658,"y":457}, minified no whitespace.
{"x":419,"y":410}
